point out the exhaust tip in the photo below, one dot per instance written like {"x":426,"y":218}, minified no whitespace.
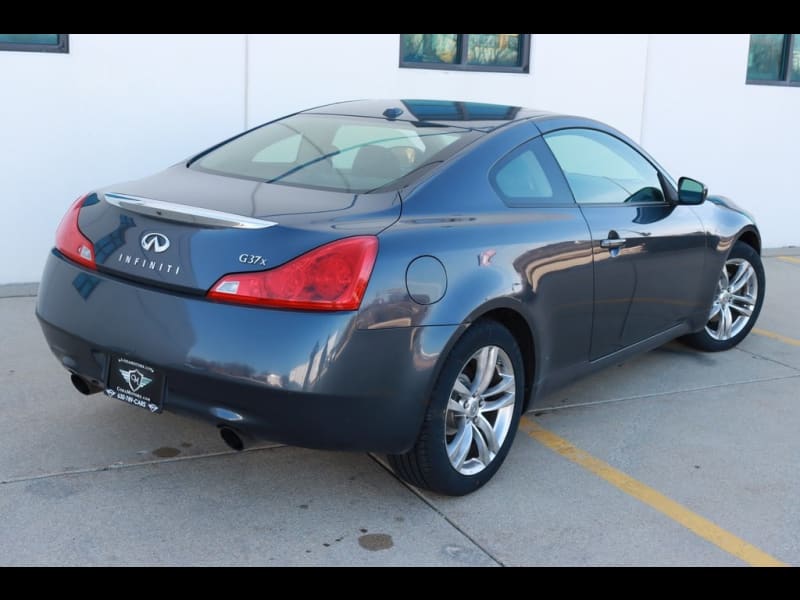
{"x":232,"y":439}
{"x":83,"y":386}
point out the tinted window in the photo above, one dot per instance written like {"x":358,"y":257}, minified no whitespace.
{"x":354,"y":136}
{"x":774,"y":58}
{"x":766,"y":56}
{"x":341,"y":153}
{"x":528,"y":176}
{"x":284,"y":151}
{"x":603,"y":169}
{"x":469,"y":51}
{"x":523,"y":177}
{"x":34,"y":42}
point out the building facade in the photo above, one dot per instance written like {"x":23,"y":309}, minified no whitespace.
{"x":107,"y":108}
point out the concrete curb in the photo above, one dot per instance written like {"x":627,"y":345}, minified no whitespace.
{"x":787,"y":251}
{"x":15,"y":290}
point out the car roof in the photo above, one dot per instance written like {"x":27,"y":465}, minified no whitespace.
{"x":450,"y":113}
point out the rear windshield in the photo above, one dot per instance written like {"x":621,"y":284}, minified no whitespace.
{"x":348,"y":154}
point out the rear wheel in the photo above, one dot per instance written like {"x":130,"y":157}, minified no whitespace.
{"x":472,"y":416}
{"x":737,"y":301}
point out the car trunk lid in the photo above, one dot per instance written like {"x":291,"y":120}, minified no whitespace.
{"x":184,"y":229}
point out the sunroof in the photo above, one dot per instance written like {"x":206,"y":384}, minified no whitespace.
{"x":445,"y":110}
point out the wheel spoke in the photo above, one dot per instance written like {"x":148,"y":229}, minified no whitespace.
{"x":487,"y":433}
{"x":455,"y":406}
{"x":506,"y":382}
{"x":503,"y":401}
{"x":481,"y":361}
{"x":718,"y":326}
{"x":484,"y":454}
{"x":714,"y":310}
{"x":458,"y":449}
{"x":461,"y":389}
{"x":487,"y":360}
{"x":749,"y":300}
{"x":742,"y":308}
{"x":726,"y":322}
{"x":743,"y":274}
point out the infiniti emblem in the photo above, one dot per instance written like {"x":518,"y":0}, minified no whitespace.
{"x":157,"y":242}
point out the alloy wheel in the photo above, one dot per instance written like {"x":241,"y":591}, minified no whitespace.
{"x":480,"y":410}
{"x":737,"y":293}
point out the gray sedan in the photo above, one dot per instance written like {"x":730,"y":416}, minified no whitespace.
{"x":400,"y":276}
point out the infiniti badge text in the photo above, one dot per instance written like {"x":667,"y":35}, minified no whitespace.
{"x":153,"y":265}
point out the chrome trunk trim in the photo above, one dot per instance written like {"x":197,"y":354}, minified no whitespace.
{"x":184,"y":213}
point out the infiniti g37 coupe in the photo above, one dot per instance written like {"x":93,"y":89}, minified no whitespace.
{"x":402,"y":276}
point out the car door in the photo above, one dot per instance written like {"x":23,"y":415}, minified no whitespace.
{"x":555,"y":263}
{"x":648,"y":252}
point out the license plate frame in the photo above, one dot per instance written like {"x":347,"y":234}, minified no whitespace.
{"x":135,"y":383}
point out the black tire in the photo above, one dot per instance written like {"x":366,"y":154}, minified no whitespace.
{"x":426,"y":464}
{"x":703,"y":340}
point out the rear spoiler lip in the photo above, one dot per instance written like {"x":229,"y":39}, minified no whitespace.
{"x":184,"y":213}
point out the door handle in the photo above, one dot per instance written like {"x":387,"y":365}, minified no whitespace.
{"x":613,"y":243}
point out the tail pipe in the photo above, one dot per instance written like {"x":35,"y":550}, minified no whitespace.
{"x":83,"y":385}
{"x":234,"y":438}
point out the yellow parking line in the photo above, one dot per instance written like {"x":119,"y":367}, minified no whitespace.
{"x":791,"y":259}
{"x":675,"y":511}
{"x":776,"y":336}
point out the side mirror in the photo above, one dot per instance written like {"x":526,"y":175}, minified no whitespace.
{"x":691,"y":191}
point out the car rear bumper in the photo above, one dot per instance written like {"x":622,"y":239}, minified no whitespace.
{"x":302,"y":378}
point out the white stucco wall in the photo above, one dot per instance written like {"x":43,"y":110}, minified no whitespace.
{"x":581,"y":74}
{"x":741,"y":140}
{"x":116,"y":107}
{"x":121,"y":106}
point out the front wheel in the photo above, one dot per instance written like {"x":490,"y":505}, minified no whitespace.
{"x":737,"y":301}
{"x":472,"y":416}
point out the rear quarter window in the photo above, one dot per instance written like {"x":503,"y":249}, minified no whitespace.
{"x":529,"y":176}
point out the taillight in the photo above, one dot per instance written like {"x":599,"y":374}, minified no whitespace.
{"x":331,"y":277}
{"x":69,"y":239}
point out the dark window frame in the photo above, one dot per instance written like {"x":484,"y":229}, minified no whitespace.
{"x":786,"y":67}
{"x":62,"y":47}
{"x":461,"y":65}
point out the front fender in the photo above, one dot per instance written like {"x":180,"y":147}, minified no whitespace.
{"x":724,"y":223}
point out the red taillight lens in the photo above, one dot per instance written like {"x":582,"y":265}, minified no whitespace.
{"x":331,"y":277}
{"x":71,"y":242}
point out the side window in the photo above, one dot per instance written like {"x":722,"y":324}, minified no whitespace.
{"x":602,"y":169}
{"x":528,"y":176}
